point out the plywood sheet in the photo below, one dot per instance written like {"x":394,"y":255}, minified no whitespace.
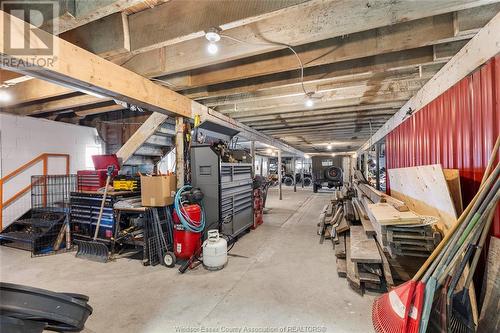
{"x":425,"y":191}
{"x":452,"y":177}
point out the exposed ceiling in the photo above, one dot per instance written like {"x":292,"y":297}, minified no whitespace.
{"x":362,"y":60}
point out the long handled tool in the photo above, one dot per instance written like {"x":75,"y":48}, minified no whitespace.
{"x":400,"y":309}
{"x":94,"y":250}
{"x":461,"y":319}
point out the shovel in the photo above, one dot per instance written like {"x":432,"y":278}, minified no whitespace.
{"x":94,"y":250}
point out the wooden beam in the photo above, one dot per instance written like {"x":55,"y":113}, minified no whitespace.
{"x":142,"y":134}
{"x":327,"y":101}
{"x":340,"y":70}
{"x":85,"y":12}
{"x":81,"y":70}
{"x":324,"y":112}
{"x":114,"y":27}
{"x":167,"y":24}
{"x":308,"y":22}
{"x":55,"y":105}
{"x":402,"y":36}
{"x":86,"y":72}
{"x":340,"y":90}
{"x":98,"y":110}
{"x":485,"y":45}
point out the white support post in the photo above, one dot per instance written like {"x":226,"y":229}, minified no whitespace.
{"x":179,"y":151}
{"x":294,"y":175}
{"x":302,"y":172}
{"x":252,"y":153}
{"x":279,"y":175}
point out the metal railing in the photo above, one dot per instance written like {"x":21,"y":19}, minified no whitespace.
{"x":43,"y":158}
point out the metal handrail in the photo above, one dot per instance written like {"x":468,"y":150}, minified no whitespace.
{"x":42,"y":157}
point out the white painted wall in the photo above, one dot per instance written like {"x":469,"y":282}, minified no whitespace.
{"x":24,"y":138}
{"x":261,"y":161}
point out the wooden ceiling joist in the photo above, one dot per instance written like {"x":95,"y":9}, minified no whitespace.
{"x":84,"y":71}
{"x":304,"y":23}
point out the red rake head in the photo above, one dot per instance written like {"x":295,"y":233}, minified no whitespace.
{"x":390,"y":311}
{"x":415,"y":313}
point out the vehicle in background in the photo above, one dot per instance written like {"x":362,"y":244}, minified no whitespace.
{"x":327,"y":173}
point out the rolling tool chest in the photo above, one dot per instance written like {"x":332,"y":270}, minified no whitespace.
{"x":85,"y":211}
{"x":93,"y":180}
{"x":228,"y":190}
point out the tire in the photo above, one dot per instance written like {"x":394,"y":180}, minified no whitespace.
{"x":169,"y":259}
{"x":315,"y":188}
{"x":333,"y":173}
{"x":288,"y":181}
{"x":307,"y":181}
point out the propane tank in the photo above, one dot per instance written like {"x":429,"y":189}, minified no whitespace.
{"x":214,"y":251}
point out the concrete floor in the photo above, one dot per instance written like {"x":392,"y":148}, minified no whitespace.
{"x":281,"y":278}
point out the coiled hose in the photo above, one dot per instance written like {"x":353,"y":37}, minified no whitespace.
{"x":193,"y":226}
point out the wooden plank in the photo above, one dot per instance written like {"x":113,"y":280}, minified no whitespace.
{"x":489,"y":320}
{"x":368,"y":277}
{"x":343,"y":226}
{"x":140,"y":136}
{"x":377,"y":196}
{"x":341,"y":267}
{"x":340,"y":247}
{"x":351,"y":266}
{"x":424,"y":189}
{"x":386,"y":214}
{"x":363,"y":217}
{"x":452,"y":177}
{"x":363,"y":248}
{"x":386,"y":267}
{"x":483,"y":46}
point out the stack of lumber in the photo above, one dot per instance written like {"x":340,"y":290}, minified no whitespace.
{"x":381,"y":240}
{"x":358,"y":256}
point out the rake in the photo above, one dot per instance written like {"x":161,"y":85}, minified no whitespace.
{"x":94,"y":250}
{"x":401,"y":309}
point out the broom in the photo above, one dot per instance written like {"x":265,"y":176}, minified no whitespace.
{"x":390,"y":312}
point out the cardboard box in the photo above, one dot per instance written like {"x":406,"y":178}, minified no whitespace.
{"x":158,"y":191}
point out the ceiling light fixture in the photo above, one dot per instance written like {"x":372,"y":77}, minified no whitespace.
{"x":306,"y":156}
{"x":4,"y":96}
{"x":213,"y":36}
{"x":269,"y":151}
{"x":309,"y":101}
{"x":329,"y":147}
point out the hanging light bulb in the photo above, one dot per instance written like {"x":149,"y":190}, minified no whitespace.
{"x":212,"y":48}
{"x":329,"y":147}
{"x":269,"y":151}
{"x":4,"y":96}
{"x":306,"y":156}
{"x":309,"y":102}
